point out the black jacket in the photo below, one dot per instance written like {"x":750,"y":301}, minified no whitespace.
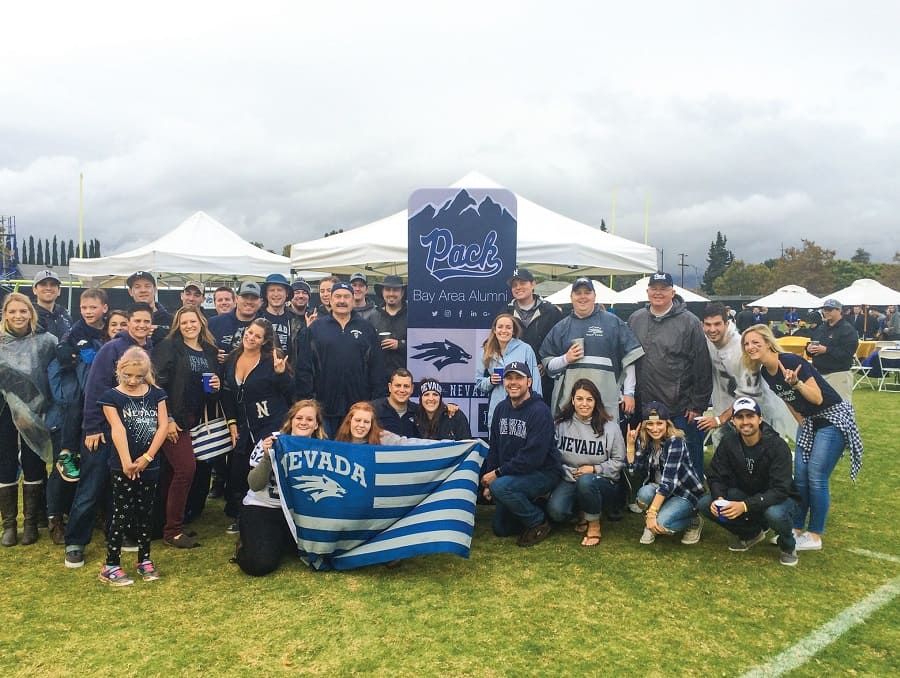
{"x":173,"y":374}
{"x":840,"y":341}
{"x":448,"y":428}
{"x":763,"y":471}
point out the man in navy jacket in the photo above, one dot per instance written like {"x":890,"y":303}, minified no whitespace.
{"x":523,"y":462}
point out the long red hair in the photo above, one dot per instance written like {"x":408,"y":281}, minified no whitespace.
{"x":343,"y":433}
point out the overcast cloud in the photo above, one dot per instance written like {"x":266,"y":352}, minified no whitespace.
{"x":769,"y":121}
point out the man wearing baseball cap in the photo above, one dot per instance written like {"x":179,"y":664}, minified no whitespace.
{"x":192,"y":294}
{"x":50,"y":316}
{"x":537,"y":317}
{"x":751,"y":487}
{"x":832,"y":347}
{"x":675,"y":369}
{"x":364,"y":308}
{"x":591,"y":343}
{"x":523,"y":462}
{"x":142,"y":288}
{"x":228,"y":328}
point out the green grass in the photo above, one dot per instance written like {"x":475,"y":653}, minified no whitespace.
{"x":555,"y":609}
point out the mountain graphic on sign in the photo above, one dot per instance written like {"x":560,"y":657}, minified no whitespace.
{"x":462,"y":210}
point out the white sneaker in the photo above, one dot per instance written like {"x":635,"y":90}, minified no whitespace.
{"x":774,"y":539}
{"x":647,"y":537}
{"x":806,"y":542}
{"x":692,"y":534}
{"x":634,"y":508}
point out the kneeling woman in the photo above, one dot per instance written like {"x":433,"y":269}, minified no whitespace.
{"x":593,"y":454}
{"x":434,"y":420}
{"x":655,"y":451}
{"x":265,"y":535}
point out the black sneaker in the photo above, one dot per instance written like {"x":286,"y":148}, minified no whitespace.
{"x":789,"y":558}
{"x":217,"y":492}
{"x":234,"y":528}
{"x":74,"y":558}
{"x":741,"y":545}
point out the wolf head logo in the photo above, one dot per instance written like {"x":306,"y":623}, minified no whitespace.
{"x":441,"y":353}
{"x":319,"y":487}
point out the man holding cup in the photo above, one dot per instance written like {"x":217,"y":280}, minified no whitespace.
{"x":390,"y":322}
{"x":592,"y":344}
{"x":751,"y":485}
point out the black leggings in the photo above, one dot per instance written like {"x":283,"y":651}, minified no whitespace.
{"x":131,"y":514}
{"x":265,"y":539}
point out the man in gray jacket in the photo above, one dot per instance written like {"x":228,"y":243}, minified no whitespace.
{"x":675,"y":369}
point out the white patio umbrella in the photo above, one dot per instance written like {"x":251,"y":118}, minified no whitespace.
{"x":605,"y":295}
{"x":637,"y":293}
{"x":789,"y":296}
{"x":866,"y":291}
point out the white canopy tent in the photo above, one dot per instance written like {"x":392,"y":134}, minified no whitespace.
{"x":789,"y":296}
{"x":605,"y":295}
{"x":637,"y":293}
{"x":866,"y":291}
{"x":547,"y":242}
{"x":197,"y":248}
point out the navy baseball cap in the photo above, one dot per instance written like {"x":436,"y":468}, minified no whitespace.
{"x":342,"y":286}
{"x":521,"y":274}
{"x":655,"y":410}
{"x":661,"y":278}
{"x":518,"y":367}
{"x":583,"y":282}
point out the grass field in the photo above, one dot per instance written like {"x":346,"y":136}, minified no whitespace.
{"x":620,"y":609}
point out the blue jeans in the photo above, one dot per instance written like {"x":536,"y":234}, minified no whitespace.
{"x":590,"y":493}
{"x":779,"y":517}
{"x":93,"y":487}
{"x":693,"y":438}
{"x":514,"y":497}
{"x":812,"y":478}
{"x":675,"y":514}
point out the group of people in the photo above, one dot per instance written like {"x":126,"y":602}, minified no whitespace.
{"x":588,"y":414}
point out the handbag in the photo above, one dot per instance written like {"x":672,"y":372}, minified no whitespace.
{"x":211,"y":437}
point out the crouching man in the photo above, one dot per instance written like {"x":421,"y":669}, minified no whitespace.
{"x":523,"y":462}
{"x":750,"y":482}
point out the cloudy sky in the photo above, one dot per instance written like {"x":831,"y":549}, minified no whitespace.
{"x":769,"y":121}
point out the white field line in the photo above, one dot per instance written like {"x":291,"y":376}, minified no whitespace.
{"x":801,"y":652}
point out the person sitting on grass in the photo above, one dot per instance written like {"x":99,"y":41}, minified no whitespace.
{"x":593,"y":454}
{"x":138,"y":421}
{"x":523,"y":463}
{"x":656,"y":453}
{"x":265,"y":535}
{"x":750,"y":484}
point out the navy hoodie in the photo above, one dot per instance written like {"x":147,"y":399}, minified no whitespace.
{"x":522,"y":439}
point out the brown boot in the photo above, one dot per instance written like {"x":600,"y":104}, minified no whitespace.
{"x":9,"y":508}
{"x":31,"y":500}
{"x":57,"y":529}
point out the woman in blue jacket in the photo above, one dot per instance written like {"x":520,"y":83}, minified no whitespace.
{"x":503,"y":346}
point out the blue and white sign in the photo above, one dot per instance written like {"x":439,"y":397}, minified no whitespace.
{"x":462,"y":251}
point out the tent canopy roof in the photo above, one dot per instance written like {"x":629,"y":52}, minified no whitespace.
{"x":866,"y":291}
{"x":789,"y":296}
{"x":548,"y":243}
{"x":199,"y":246}
{"x":637,"y":293}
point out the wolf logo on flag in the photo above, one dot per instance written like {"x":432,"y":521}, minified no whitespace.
{"x":352,"y":505}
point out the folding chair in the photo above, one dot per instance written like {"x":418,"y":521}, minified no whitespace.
{"x":860,"y":373}
{"x":889,"y":361}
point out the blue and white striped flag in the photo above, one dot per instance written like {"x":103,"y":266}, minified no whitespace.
{"x":353,"y":505}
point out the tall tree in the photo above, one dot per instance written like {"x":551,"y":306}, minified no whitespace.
{"x":718,"y":260}
{"x":809,"y":267}
{"x":603,"y":226}
{"x":71,"y":253}
{"x":32,"y":257}
{"x":23,"y":255}
{"x":46,"y":251}
{"x":40,"y":255}
{"x":54,"y":253}
{"x":861,"y":256}
{"x":744,"y":279}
